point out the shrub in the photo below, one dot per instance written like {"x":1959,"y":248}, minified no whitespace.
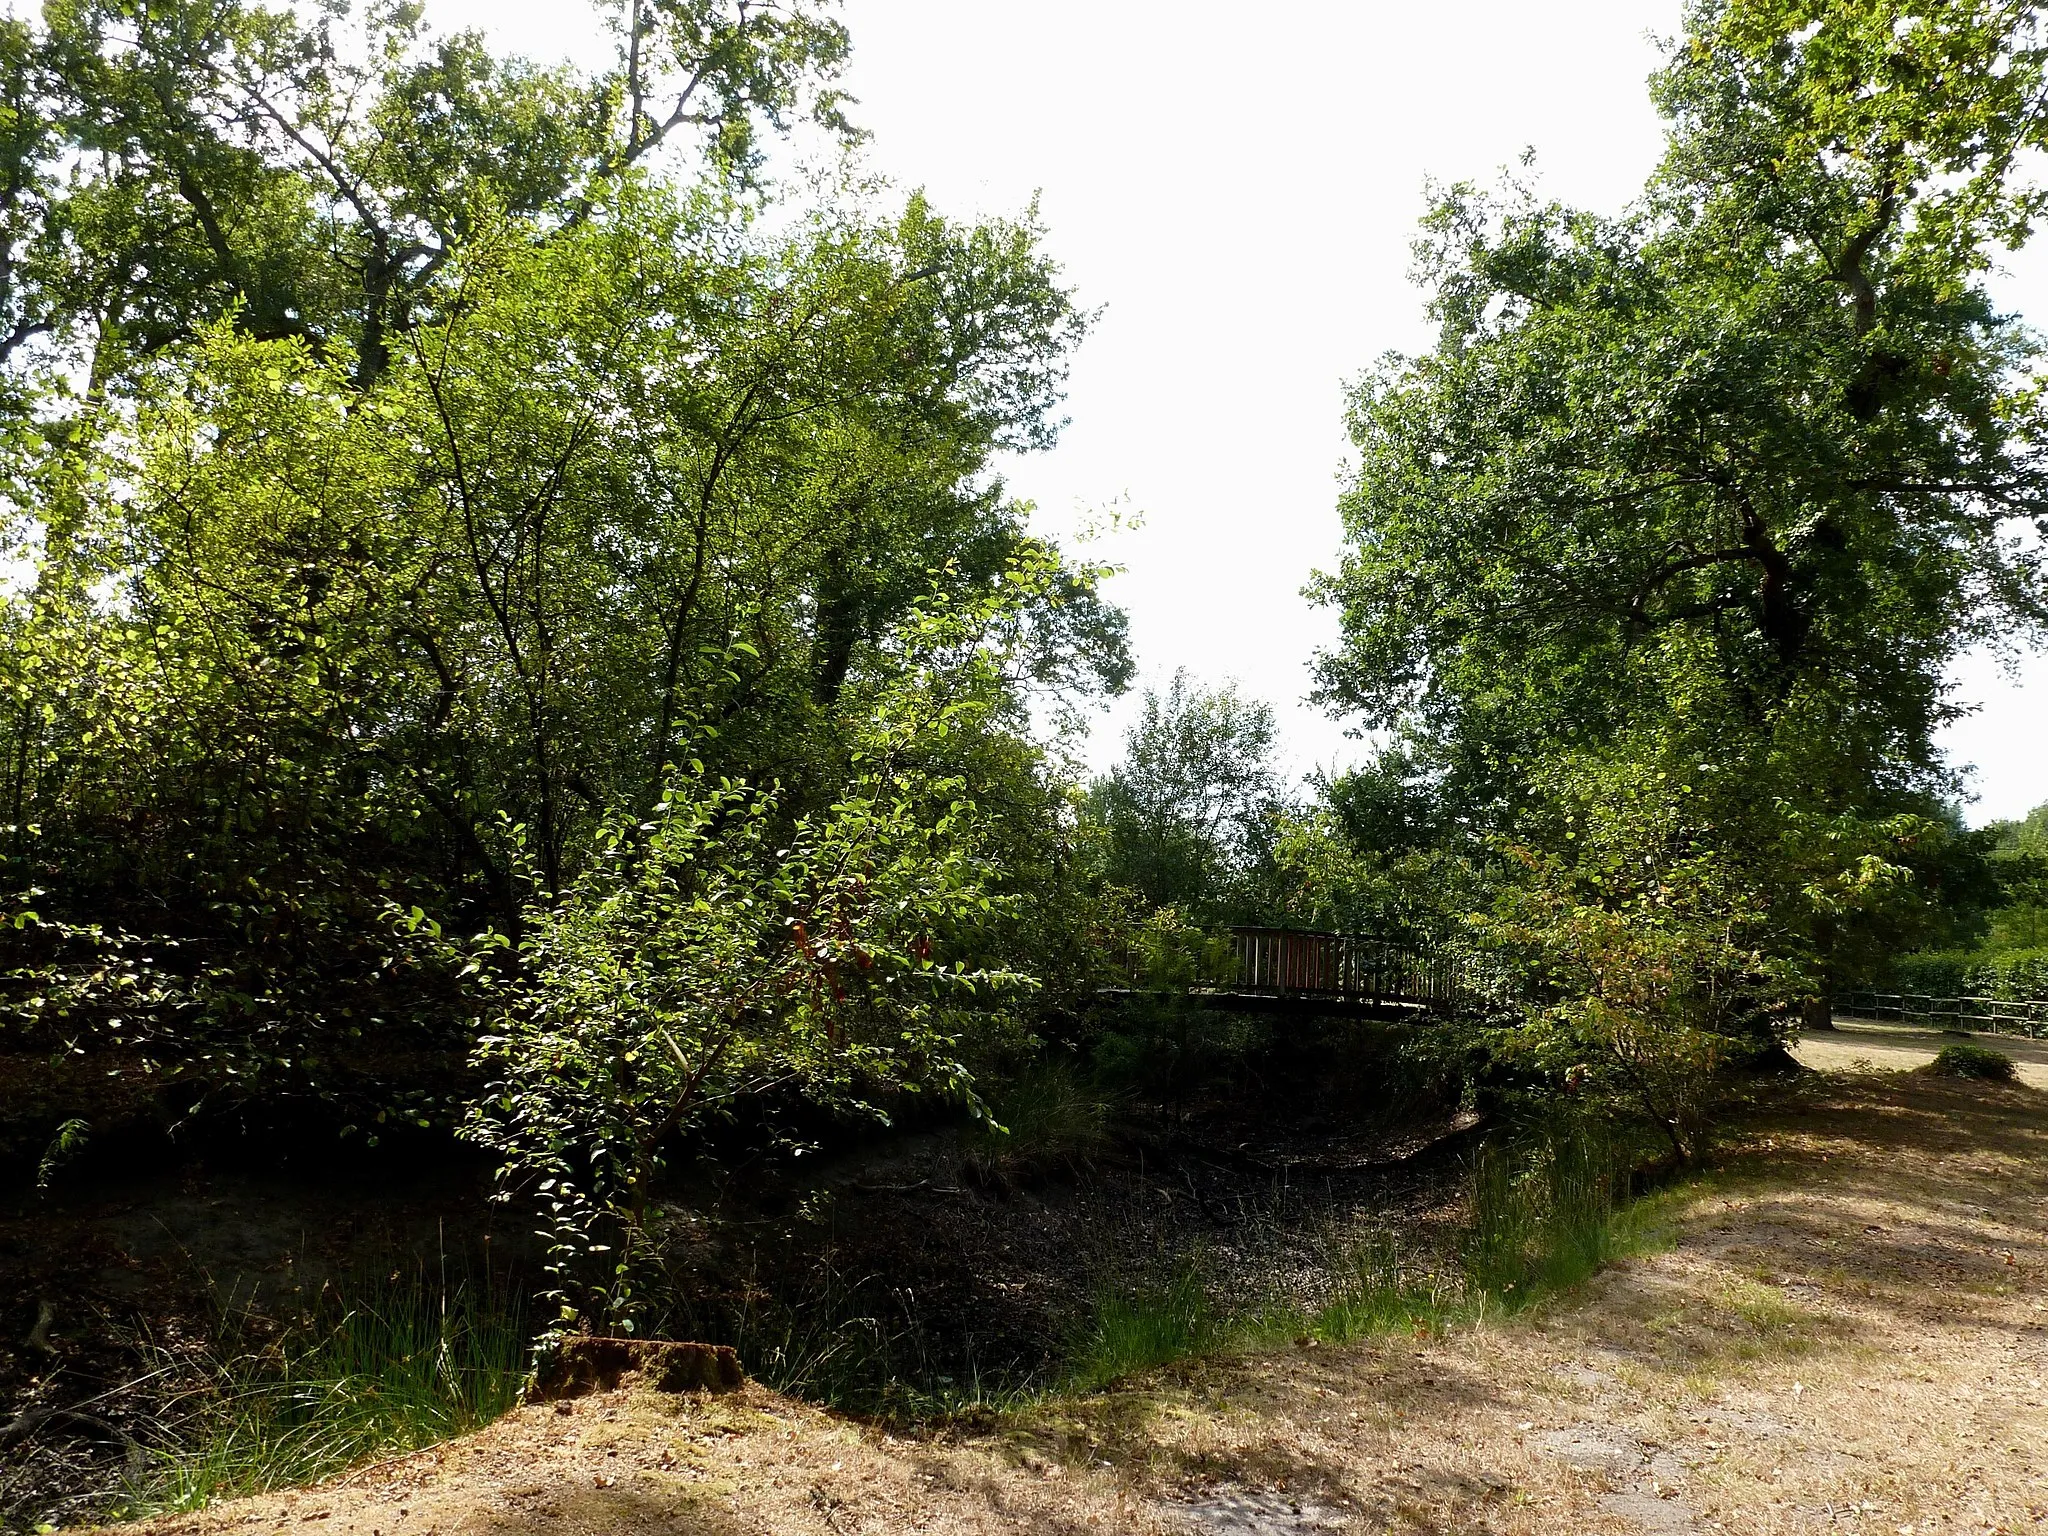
{"x":2013,"y":976}
{"x":1976,"y":1061}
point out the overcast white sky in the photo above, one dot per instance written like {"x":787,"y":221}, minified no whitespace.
{"x":1237,"y":186}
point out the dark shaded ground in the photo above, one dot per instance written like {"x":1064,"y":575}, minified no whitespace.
{"x":117,"y":1285}
{"x":893,"y":1274}
{"x":900,"y":1264}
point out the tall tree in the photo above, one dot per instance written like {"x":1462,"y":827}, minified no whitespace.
{"x":1729,"y":478}
{"x":1188,"y":818}
{"x":173,"y":161}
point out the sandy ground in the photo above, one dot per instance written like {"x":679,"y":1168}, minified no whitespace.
{"x":1857,"y":1045}
{"x":1849,"y":1332}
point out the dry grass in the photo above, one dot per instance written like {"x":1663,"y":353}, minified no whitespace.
{"x":1848,"y":1333}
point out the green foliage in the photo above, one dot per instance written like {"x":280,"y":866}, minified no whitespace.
{"x":1324,"y":879}
{"x":398,"y":1366}
{"x":2028,"y":835}
{"x":2019,"y":926}
{"x":1546,"y":1212}
{"x":406,"y":539}
{"x":1543,"y":1216}
{"x":1187,"y":818}
{"x":1380,"y":1291}
{"x":2012,"y":976}
{"x":66,"y":1144}
{"x":310,"y":176}
{"x":1643,"y":946}
{"x":720,"y":951}
{"x":861,"y":1346}
{"x":2010,"y":933}
{"x":1710,"y":494}
{"x":2019,"y":866}
{"x":1972,"y":1061}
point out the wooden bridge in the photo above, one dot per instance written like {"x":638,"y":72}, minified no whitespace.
{"x":1291,"y":970}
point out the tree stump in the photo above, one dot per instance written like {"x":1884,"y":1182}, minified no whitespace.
{"x":588,"y":1363}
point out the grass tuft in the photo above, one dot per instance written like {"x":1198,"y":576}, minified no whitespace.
{"x":1543,"y":1218}
{"x":404,"y":1365}
{"x":863,"y":1347}
{"x":1048,"y":1117}
{"x":1379,"y":1293}
{"x":1134,"y":1331}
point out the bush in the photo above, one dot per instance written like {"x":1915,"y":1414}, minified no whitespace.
{"x":1973,"y":1061}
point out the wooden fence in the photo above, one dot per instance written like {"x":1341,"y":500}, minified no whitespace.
{"x":1990,"y":1015}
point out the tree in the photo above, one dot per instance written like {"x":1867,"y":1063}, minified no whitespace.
{"x":1187,"y":819}
{"x":173,"y":162}
{"x":716,"y":952}
{"x":2018,"y":866}
{"x":1733,"y":476}
{"x":305,"y":639}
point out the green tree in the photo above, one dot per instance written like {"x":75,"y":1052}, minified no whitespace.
{"x":2018,"y":917}
{"x":172,"y":162}
{"x":1188,"y":818}
{"x":1732,"y":477}
{"x":302,"y":638}
{"x":716,"y":951}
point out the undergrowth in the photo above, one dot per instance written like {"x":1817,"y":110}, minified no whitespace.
{"x":403,"y":1364}
{"x":1546,"y":1213}
{"x":409,"y":1363}
{"x":861,"y":1345}
{"x":1049,"y":1117}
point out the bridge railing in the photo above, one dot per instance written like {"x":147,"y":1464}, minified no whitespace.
{"x":1288,"y":962}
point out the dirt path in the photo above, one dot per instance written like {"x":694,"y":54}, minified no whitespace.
{"x":1850,"y":1333}
{"x":1861,"y":1045}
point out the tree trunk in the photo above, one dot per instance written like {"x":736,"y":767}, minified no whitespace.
{"x":1818,"y":1011}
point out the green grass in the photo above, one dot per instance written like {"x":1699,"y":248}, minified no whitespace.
{"x":1132,"y":1331}
{"x":1049,"y":1116}
{"x":402,"y":1365}
{"x":859,"y":1345}
{"x":1543,"y":1218}
{"x":1379,"y":1292}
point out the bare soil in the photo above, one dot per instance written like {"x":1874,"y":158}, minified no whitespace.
{"x":1848,"y":1332}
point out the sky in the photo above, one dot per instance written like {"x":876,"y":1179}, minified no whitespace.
{"x":1236,"y":189}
